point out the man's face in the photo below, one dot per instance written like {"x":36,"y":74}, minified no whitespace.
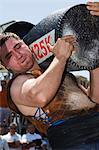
{"x":31,"y":129}
{"x":12,"y":129}
{"x":15,"y":55}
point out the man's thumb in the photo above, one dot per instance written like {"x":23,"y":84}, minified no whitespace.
{"x":50,"y":47}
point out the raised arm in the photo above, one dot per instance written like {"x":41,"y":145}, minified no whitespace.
{"x":93,"y":91}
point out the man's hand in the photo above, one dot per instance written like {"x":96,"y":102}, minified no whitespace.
{"x":63,"y":47}
{"x":93,"y":7}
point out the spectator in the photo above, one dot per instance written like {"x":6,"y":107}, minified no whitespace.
{"x":13,"y":138}
{"x":45,"y":144}
{"x":4,"y":109}
{"x":3,"y":143}
{"x":31,"y":140}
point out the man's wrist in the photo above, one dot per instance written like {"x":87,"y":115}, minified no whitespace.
{"x":61,"y":59}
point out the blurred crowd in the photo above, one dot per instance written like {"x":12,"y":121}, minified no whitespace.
{"x":30,"y":139}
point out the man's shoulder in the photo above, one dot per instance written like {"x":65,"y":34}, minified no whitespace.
{"x":2,"y":140}
{"x":21,"y":78}
{"x":24,"y":135}
{"x":38,"y":136}
{"x":17,"y":134}
{"x":6,"y":135}
{"x":16,"y":87}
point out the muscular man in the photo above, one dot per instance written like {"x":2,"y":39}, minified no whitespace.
{"x":68,"y":112}
{"x":13,"y":138}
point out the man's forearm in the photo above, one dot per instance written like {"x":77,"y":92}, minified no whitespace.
{"x":94,"y":85}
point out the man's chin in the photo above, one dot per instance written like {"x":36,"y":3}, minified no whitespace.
{"x":22,"y":70}
{"x":19,"y":71}
{"x":26,"y":69}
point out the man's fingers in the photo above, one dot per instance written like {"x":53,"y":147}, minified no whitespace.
{"x":72,"y":40}
{"x":69,"y":38}
{"x":95,"y":13}
{"x":94,"y":6}
{"x":50,"y":47}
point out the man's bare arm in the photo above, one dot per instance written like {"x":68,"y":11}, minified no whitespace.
{"x":94,"y":85}
{"x":93,"y":90}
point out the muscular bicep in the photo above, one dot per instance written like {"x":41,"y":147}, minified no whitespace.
{"x":20,"y":90}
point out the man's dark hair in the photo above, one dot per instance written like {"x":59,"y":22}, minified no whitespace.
{"x":5,"y":36}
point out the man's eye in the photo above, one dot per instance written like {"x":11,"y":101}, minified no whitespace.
{"x":8,"y":56}
{"x":18,"y":46}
